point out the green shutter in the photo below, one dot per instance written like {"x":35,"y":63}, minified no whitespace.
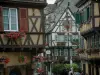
{"x":84,"y":15}
{"x":88,"y":13}
{"x":77,"y":16}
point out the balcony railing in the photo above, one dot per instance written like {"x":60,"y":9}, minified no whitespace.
{"x":34,"y":1}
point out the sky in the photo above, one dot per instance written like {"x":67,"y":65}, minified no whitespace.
{"x":51,"y":1}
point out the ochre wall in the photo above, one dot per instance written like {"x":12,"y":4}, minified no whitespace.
{"x":13,"y":56}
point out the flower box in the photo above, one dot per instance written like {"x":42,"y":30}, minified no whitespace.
{"x":15,"y":35}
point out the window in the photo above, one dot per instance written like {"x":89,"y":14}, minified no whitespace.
{"x":63,"y":38}
{"x":67,"y":38}
{"x":56,"y":52}
{"x":59,"y":53}
{"x":62,"y":52}
{"x":10,"y":19}
{"x":65,"y":52}
{"x":75,"y":38}
{"x":60,"y":38}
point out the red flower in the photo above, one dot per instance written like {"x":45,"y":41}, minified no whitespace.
{"x":15,"y":35}
{"x":39,"y":70}
{"x":7,"y":60}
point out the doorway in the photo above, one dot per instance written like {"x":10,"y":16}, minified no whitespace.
{"x":15,"y":71}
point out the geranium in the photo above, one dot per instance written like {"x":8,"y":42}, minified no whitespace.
{"x":4,"y":59}
{"x":40,"y":70}
{"x":15,"y":35}
{"x":67,"y":26}
{"x":38,"y":58}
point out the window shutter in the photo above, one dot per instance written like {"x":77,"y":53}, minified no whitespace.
{"x":88,"y":13}
{"x":23,"y":19}
{"x":78,"y":18}
{"x":84,"y":15}
{"x":1,"y":19}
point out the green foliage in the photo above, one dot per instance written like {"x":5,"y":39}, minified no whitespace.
{"x":75,"y":66}
{"x":57,"y":68}
{"x":67,"y":66}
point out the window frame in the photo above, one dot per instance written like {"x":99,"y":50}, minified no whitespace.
{"x":9,"y":16}
{"x":57,"y":38}
{"x":56,"y":52}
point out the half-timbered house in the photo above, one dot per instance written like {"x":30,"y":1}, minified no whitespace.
{"x":88,"y":17}
{"x":21,"y":35}
{"x":62,"y":35}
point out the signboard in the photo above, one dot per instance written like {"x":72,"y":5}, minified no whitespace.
{"x":48,"y":52}
{"x":74,"y":47}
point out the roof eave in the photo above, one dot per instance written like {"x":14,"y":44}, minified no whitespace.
{"x":80,"y":3}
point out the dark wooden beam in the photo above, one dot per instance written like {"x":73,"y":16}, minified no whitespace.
{"x":80,"y":3}
{"x":91,"y":31}
{"x":23,"y":4}
{"x":7,"y":48}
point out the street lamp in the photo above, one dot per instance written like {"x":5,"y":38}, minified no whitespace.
{"x":48,"y":52}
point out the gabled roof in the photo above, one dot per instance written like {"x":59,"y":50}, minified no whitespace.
{"x":63,"y":19}
{"x":72,"y":5}
{"x":64,"y":4}
{"x":80,"y":3}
